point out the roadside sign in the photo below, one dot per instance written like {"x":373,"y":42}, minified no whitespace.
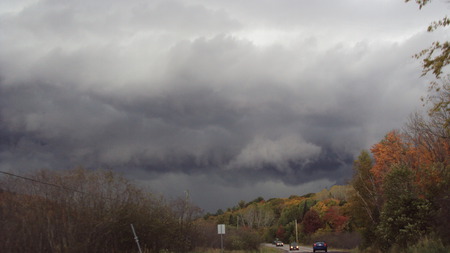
{"x":221,"y":229}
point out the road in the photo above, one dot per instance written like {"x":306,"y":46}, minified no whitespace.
{"x":302,"y":249}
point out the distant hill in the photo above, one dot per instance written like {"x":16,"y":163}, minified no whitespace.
{"x":303,"y":218}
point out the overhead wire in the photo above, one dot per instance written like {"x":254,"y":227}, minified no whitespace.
{"x":50,"y":184}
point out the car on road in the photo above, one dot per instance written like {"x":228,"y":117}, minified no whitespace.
{"x":320,"y":246}
{"x":279,"y":244}
{"x":293,"y":246}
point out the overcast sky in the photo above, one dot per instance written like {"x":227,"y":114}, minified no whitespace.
{"x":228,"y":99}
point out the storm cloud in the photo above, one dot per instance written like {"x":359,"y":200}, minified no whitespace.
{"x":229,"y":100}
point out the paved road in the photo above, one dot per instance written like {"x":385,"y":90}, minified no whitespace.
{"x":302,"y":249}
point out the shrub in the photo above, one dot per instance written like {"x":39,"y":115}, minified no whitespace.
{"x":428,"y":246}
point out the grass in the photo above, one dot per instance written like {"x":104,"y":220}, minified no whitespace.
{"x":262,"y":249}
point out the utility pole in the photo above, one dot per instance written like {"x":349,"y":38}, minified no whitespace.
{"x":296,"y":232}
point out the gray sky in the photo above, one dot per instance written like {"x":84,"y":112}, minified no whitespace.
{"x":228,"y":99}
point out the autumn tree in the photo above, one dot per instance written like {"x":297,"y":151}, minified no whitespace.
{"x":335,"y":219}
{"x":390,"y":151}
{"x":311,"y":222}
{"x":437,"y":56}
{"x":280,"y":232}
{"x":405,"y":189}
{"x":434,"y":60}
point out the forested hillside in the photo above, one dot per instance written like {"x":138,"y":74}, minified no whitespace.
{"x":325,"y":215}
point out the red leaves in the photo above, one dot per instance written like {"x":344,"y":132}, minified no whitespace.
{"x":336,"y":221}
{"x":311,"y":222}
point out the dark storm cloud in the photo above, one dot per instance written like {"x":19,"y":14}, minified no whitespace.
{"x":222,"y":98}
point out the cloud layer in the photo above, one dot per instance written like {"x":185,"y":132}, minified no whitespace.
{"x":207,"y":96}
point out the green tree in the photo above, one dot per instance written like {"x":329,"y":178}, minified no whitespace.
{"x":305,"y":205}
{"x":365,"y":200}
{"x":366,"y":197}
{"x":405,"y":217}
{"x":289,"y":214}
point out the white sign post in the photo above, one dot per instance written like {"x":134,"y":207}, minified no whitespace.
{"x":221,"y":232}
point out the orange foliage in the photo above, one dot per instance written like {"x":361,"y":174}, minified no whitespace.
{"x":390,"y":151}
{"x":420,"y":154}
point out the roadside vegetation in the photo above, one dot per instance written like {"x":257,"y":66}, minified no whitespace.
{"x":89,"y":211}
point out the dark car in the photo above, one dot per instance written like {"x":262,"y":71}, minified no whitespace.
{"x":293,"y":246}
{"x":279,"y":244}
{"x":320,"y":246}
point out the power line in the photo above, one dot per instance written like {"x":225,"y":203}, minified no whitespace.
{"x":41,"y":182}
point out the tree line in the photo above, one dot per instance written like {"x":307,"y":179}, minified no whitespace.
{"x":401,"y":198}
{"x":84,"y":210}
{"x":315,"y":216}
{"x":402,"y":187}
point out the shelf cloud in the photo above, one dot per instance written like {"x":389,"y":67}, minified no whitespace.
{"x":216,"y":97}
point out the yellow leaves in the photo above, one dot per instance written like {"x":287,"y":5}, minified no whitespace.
{"x":322,"y":207}
{"x":293,"y":201}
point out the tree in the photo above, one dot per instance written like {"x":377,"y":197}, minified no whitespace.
{"x":421,"y":3}
{"x":280,"y":232}
{"x":290,"y":213}
{"x":390,"y":151}
{"x":405,"y":217}
{"x":304,"y":207}
{"x":431,"y":61}
{"x":366,"y":201}
{"x":335,"y":219}
{"x":440,"y":109}
{"x":311,"y":222}
{"x":88,"y":211}
{"x":186,"y":213}
{"x":435,"y":59}
{"x":241,"y":204}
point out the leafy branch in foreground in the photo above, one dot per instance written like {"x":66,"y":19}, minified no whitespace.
{"x":437,"y":56}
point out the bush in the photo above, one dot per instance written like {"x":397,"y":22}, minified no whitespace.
{"x":242,"y":239}
{"x":428,"y":246}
